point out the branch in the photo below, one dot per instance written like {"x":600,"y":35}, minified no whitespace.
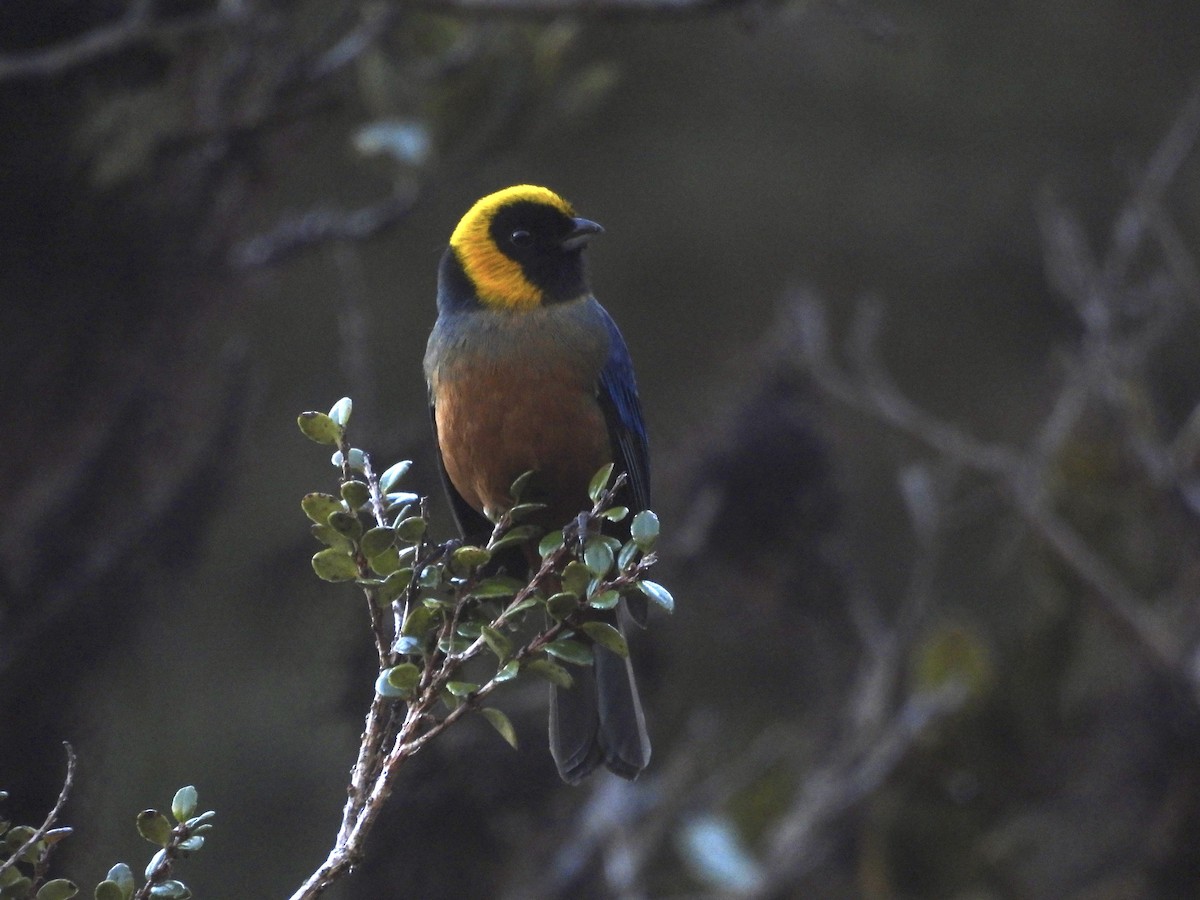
{"x":298,"y":233}
{"x":51,"y":817}
{"x":593,"y":8}
{"x":130,"y":30}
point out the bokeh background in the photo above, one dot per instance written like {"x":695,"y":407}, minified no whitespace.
{"x":944,"y":649}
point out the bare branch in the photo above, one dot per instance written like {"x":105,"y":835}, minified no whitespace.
{"x":318,"y":226}
{"x":51,"y":817}
{"x":594,"y":8}
{"x":133,"y":29}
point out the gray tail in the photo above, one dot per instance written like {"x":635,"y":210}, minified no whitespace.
{"x":599,"y":719}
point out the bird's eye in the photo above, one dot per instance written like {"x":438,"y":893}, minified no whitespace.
{"x":521,"y":238}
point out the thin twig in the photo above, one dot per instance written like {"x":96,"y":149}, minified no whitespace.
{"x":130,"y":31}
{"x":51,"y":817}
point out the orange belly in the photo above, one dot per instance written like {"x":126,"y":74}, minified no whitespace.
{"x":496,"y":422}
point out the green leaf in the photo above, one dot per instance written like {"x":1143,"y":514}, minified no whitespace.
{"x":575,"y":578}
{"x":375,"y":540}
{"x":419,"y":620}
{"x":628,"y":553}
{"x":18,"y":887}
{"x":58,"y":889}
{"x":170,"y":890}
{"x":356,"y":494}
{"x":469,"y":629}
{"x":183,"y":807}
{"x":393,"y":474}
{"x":404,"y":677}
{"x":570,"y":651}
{"x":551,"y":542}
{"x":454,"y":645}
{"x":501,"y":723}
{"x":467,"y":558}
{"x":341,"y":411}
{"x":508,"y":671}
{"x":615,"y":513}
{"x":644,"y":529}
{"x":497,"y":642}
{"x":194,"y":824}
{"x":517,"y":490}
{"x":384,"y":689}
{"x":605,"y":600}
{"x":326,"y":535}
{"x":599,"y":482}
{"x":320,"y":428}
{"x":395,"y":584}
{"x":522,"y":534}
{"x":498,"y":586}
{"x":552,"y":672}
{"x":386,"y":563}
{"x":562,"y":605}
{"x":606,"y":636}
{"x":462,"y":688}
{"x":658,"y":594}
{"x":598,"y":556}
{"x":525,"y":510}
{"x":334,"y":565}
{"x":18,"y":835}
{"x":411,"y":529}
{"x":346,"y":523}
{"x":154,"y":827}
{"x":528,"y":602}
{"x":358,"y":460}
{"x":192,"y":844}
{"x":318,"y":506}
{"x":407,"y":644}
{"x":430,"y":578}
{"x":122,"y":876}
{"x":109,"y":890}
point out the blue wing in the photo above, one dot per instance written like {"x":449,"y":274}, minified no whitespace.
{"x":623,"y":412}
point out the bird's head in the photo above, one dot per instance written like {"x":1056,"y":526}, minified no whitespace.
{"x":521,"y":247}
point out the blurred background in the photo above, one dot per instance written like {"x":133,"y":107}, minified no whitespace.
{"x":912,"y":293}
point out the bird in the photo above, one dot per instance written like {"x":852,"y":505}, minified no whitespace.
{"x":527,"y":372}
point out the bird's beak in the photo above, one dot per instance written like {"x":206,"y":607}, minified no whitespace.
{"x":580,"y":234}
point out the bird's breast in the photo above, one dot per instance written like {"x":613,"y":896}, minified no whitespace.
{"x":511,"y":397}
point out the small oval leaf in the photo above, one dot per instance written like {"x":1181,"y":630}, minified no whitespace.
{"x":501,"y":723}
{"x":497,"y":642}
{"x":658,"y":594}
{"x":606,"y":636}
{"x":552,"y":672}
{"x":183,"y":807}
{"x":605,"y":600}
{"x":355,"y":493}
{"x":319,"y":427}
{"x":318,"y":506}
{"x":598,"y":556}
{"x":376,"y":540}
{"x":334,"y":565}
{"x":58,"y":889}
{"x":550,"y":542}
{"x":575,"y":578}
{"x":391,"y":477}
{"x":599,"y":482}
{"x":562,"y":605}
{"x":154,"y":827}
{"x":570,"y":651}
{"x":411,"y":529}
{"x":644,"y":529}
{"x":517,"y":489}
{"x":341,"y":411}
